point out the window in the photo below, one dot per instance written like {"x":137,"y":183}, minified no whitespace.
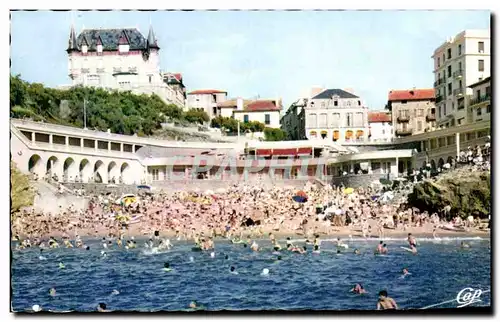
{"x":449,"y":88}
{"x":323,"y":105}
{"x":478,"y":93}
{"x":479,"y":111}
{"x":267,"y":119}
{"x":440,"y":111}
{"x":323,"y":119}
{"x":444,"y":110}
{"x":480,"y":46}
{"x":449,"y":71}
{"x":460,"y":121}
{"x":359,"y":103}
{"x":349,"y":119}
{"x":404,"y":102}
{"x":439,"y":62}
{"x":335,"y":120}
{"x":488,"y":109}
{"x":419,"y":126}
{"x":460,"y":84}
{"x":420,"y":112}
{"x":245,"y":118}
{"x":459,"y":66}
{"x":459,"y":50}
{"x":313,"y":121}
{"x":443,"y":58}
{"x":348,"y":103}
{"x":150,"y":78}
{"x":480,"y":66}
{"x":358,"y":119}
{"x":449,"y":53}
{"x":488,"y":89}
{"x":335,"y":103}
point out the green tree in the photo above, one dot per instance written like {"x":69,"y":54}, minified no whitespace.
{"x":21,"y":193}
{"x":271,"y":134}
{"x":196,"y":116}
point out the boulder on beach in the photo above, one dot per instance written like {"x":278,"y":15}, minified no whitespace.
{"x":466,"y":192}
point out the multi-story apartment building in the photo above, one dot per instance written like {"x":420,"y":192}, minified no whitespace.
{"x":206,"y":99}
{"x":458,"y":63}
{"x":338,"y":115}
{"x":266,"y":111}
{"x":413,"y":111}
{"x":294,"y":120}
{"x":381,"y":129}
{"x":122,"y":59}
{"x":479,"y":103}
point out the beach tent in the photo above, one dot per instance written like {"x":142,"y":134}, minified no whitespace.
{"x":348,"y":191}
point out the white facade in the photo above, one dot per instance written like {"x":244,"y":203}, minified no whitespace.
{"x":206,"y":100}
{"x":268,"y":118}
{"x":458,"y":63}
{"x":479,"y":102}
{"x":117,"y":66}
{"x":336,"y":115}
{"x":381,"y":129}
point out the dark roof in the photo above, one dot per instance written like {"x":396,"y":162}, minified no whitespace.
{"x":481,"y":82}
{"x":327,"y":94}
{"x":110,"y":39}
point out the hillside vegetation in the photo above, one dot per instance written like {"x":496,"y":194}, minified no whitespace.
{"x":21,"y":192}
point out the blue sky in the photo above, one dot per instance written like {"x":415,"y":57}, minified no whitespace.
{"x":270,"y":54}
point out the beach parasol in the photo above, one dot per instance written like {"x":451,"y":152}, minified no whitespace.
{"x":348,"y":191}
{"x":299,"y":199}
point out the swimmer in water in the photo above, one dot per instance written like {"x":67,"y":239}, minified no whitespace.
{"x":265,"y":271}
{"x":115,"y":292}
{"x":357,"y":252}
{"x":101,"y":307}
{"x":316,"y":249}
{"x":464,"y":245}
{"x":52,"y":292}
{"x":385,"y":302}
{"x":255,"y":247}
{"x":278,"y":259}
{"x":384,"y":249}
{"x":434,"y":234}
{"x":405,"y":272}
{"x":339,"y":252}
{"x":412,"y":241}
{"x":358,"y":289}
{"x":166,"y":267}
{"x":289,"y":243}
{"x":232,"y":270}
{"x":226,"y":257}
{"x":379,"y":248}
{"x":41,"y":257}
{"x":61,"y":266}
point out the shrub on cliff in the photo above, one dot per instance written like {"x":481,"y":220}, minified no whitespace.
{"x":466,"y":192}
{"x":21,"y":192}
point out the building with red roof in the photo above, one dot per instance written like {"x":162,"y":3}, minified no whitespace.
{"x":413,"y":111}
{"x":380,"y":124}
{"x":206,"y":100}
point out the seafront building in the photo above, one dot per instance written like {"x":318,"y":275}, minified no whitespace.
{"x":380,"y":124}
{"x":265,"y":111}
{"x":413,"y":111}
{"x":122,"y":59}
{"x":479,"y":102}
{"x":336,"y":115}
{"x":458,"y":63}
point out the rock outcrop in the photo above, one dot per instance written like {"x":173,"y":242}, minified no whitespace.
{"x":467,"y":191}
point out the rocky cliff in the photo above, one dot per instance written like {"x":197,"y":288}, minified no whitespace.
{"x":467,"y":191}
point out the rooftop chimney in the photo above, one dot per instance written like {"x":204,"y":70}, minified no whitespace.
{"x":239,"y":104}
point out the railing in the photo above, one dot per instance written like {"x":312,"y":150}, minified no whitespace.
{"x":403,"y":118}
{"x":458,"y":91}
{"x":439,"y":82}
{"x":439,"y":98}
{"x":477,"y":100}
{"x":458,"y":73}
{"x":404,"y":132}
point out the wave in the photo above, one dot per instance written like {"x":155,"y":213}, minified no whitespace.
{"x":346,"y":240}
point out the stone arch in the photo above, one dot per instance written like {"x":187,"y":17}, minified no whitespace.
{"x":99,"y":172}
{"x":451,"y":161}
{"x":125,"y":172}
{"x":113,"y":172}
{"x":70,"y":170}
{"x":424,"y":164}
{"x":53,"y":166}
{"x":440,"y":163}
{"x":433,"y":165}
{"x":85,"y":170}
{"x":35,"y":165}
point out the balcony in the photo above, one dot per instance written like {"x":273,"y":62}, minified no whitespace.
{"x":439,"y":98}
{"x":403,"y":118}
{"x":458,"y":73}
{"x":430,"y":117}
{"x":478,"y":100}
{"x":458,"y":91}
{"x":403,"y":132}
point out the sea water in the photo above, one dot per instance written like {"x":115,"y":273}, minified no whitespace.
{"x":439,"y":271}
